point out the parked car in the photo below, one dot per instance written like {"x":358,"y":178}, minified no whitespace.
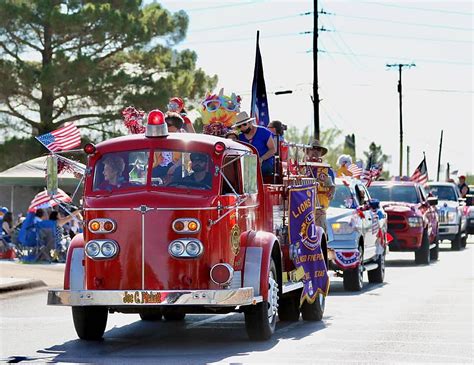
{"x":356,"y":228}
{"x":470,"y":212}
{"x":452,"y":213}
{"x":412,"y":218}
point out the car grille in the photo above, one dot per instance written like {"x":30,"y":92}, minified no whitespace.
{"x":396,"y":222}
{"x":443,"y":216}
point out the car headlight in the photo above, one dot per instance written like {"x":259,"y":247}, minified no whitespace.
{"x":92,"y":249}
{"x":108,"y":249}
{"x":176,"y":248}
{"x":342,"y":228}
{"x":415,"y":222}
{"x":186,"y":248}
{"x":452,"y":217}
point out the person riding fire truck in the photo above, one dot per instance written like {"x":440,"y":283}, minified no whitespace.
{"x":213,"y":238}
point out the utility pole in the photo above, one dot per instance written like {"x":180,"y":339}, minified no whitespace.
{"x":439,"y":155}
{"x":448,"y":172}
{"x":408,"y":160}
{"x":399,"y":88}
{"x":315,"y":72}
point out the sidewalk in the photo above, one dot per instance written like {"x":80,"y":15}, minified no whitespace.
{"x":15,"y":276}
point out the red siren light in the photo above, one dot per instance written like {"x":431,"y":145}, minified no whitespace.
{"x":156,"y":117}
{"x":219,"y":147}
{"x":156,"y":125}
{"x":89,"y":149}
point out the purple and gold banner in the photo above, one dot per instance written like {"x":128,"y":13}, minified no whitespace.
{"x":305,"y":242}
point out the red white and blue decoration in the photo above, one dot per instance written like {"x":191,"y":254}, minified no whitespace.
{"x":62,"y":139}
{"x":347,"y":259}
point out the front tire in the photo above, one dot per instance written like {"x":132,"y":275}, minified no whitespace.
{"x":434,"y":252}
{"x":260,"y":319}
{"x":90,"y":322}
{"x":353,"y":279}
{"x":151,"y":316}
{"x":378,"y":275}
{"x":422,"y":255}
{"x":314,"y":311}
{"x":173,"y":315}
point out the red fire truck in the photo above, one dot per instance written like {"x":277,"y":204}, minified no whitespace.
{"x":161,"y":242}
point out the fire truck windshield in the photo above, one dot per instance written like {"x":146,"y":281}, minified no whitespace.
{"x":126,"y":170}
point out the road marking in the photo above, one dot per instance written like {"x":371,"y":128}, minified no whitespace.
{"x":213,"y":318}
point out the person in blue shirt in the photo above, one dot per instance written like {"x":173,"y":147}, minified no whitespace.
{"x":259,"y":137}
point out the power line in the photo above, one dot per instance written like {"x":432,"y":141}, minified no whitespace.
{"x":448,"y":62}
{"x":417,"y":8}
{"x":222,"y":6}
{"x":245,"y":39}
{"x":402,"y":37}
{"x":404,"y":23}
{"x":260,"y":21}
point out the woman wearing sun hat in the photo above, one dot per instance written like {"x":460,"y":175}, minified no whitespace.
{"x":259,"y":137}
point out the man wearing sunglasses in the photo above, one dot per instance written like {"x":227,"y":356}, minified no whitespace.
{"x":259,"y":137}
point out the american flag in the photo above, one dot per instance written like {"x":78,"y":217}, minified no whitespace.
{"x":368,"y":175}
{"x":355,"y":170}
{"x":43,"y":200}
{"x":259,"y":104}
{"x":62,"y":139}
{"x":421,"y":173}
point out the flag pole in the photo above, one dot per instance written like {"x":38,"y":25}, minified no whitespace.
{"x":439,"y":155}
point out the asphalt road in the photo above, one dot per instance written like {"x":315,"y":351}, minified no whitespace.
{"x":421,"y":314}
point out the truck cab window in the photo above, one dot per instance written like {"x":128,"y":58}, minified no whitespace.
{"x":231,"y":173}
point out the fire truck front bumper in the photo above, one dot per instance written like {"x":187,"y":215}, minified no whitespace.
{"x":116,"y":298}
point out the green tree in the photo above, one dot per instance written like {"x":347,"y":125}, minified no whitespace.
{"x":375,"y":156}
{"x":85,"y":60}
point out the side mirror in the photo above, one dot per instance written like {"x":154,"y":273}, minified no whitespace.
{"x":469,"y":199}
{"x":432,"y":200}
{"x":374,"y":204}
{"x":52,"y":175}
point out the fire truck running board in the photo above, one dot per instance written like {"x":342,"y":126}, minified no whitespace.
{"x":290,"y":286}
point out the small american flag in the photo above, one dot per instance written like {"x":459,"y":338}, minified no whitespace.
{"x":355,"y":170}
{"x":368,"y":176}
{"x":43,"y":200}
{"x":421,"y":173}
{"x":62,"y":139}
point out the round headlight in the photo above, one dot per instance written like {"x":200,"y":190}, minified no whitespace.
{"x":92,"y":249}
{"x":108,"y":249}
{"x":193,"y":248}
{"x":177,"y":248}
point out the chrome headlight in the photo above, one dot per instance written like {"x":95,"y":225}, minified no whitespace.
{"x":101,"y":249}
{"x":452,"y":217}
{"x":415,"y":222}
{"x":342,"y":228}
{"x":92,"y":249}
{"x":186,"y":248}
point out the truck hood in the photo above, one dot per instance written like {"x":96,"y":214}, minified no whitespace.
{"x":398,"y":207}
{"x":447,"y":204}
{"x":335,"y":214}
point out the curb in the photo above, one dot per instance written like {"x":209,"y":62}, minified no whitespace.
{"x":21,"y":285}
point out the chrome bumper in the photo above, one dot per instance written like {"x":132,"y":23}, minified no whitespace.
{"x":447,"y":229}
{"x":112,"y":298}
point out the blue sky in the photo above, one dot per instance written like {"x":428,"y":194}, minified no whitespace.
{"x":358,"y":92}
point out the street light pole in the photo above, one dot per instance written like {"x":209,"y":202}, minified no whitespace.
{"x":315,"y":71}
{"x":399,"y":88}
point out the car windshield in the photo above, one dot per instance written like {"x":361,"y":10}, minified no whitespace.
{"x":121,"y":170}
{"x":342,"y":198}
{"x":184,"y":170}
{"x":444,"y":192}
{"x":129,"y":170}
{"x":395,"y":193}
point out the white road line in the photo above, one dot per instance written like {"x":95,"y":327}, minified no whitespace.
{"x":213,"y":318}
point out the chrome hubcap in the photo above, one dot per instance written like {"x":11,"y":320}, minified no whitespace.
{"x":272,"y":297}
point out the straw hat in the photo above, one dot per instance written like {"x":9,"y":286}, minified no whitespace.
{"x":317,"y":145}
{"x":242,"y":118}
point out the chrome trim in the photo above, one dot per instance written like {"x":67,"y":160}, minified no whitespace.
{"x":221,"y":298}
{"x":228,"y":267}
{"x":102,"y":221}
{"x":143,"y":251}
{"x":252,"y":269}
{"x":101,"y":256}
{"x":185,"y":254}
{"x":174,"y":208}
{"x":76,"y":270}
{"x":186,"y":222}
{"x":291,"y":286}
